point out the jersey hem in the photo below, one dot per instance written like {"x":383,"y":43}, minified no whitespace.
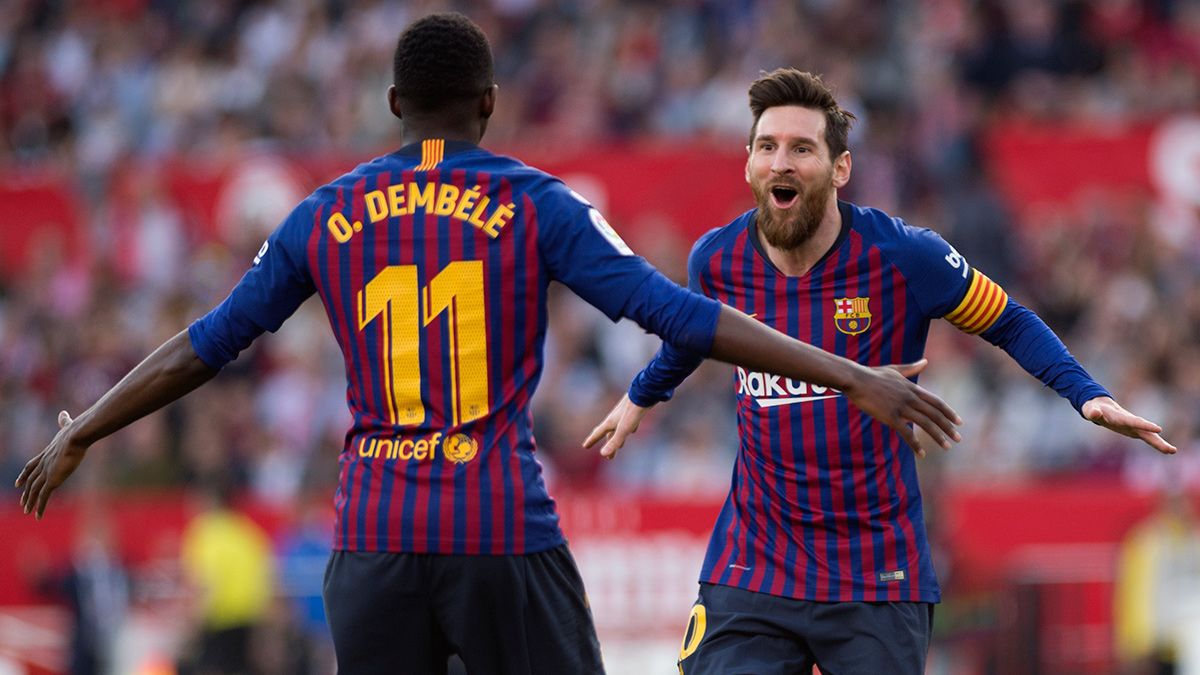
{"x":842,"y":595}
{"x":451,"y":547}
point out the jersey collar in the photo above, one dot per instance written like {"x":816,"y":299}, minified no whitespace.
{"x":450,"y":147}
{"x":847,"y":214}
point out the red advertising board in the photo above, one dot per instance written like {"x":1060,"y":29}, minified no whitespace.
{"x":1048,"y":165}
{"x":1048,"y":548}
{"x":40,"y":218}
{"x":644,"y":189}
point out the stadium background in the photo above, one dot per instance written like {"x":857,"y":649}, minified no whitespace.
{"x":146,"y":147}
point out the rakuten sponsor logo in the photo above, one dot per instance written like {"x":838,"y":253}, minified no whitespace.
{"x":773,"y":390}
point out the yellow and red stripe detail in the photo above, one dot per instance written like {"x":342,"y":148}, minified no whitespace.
{"x":433,"y":150}
{"x":980,"y":307}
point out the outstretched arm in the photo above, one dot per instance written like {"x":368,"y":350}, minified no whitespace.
{"x":1031,"y":343}
{"x":171,"y":371}
{"x":654,"y":384}
{"x":267,"y":294}
{"x":883,"y":393}
{"x":946,"y":286}
{"x":586,"y":255}
{"x":1106,"y":412}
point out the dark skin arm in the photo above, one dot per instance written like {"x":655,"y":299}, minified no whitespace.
{"x":884,"y":393}
{"x":174,"y":370}
{"x":166,"y":375}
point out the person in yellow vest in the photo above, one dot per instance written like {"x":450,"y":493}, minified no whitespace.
{"x":1157,"y":593}
{"x":227,"y":557}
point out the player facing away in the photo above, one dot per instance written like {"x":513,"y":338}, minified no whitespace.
{"x":819,"y":555}
{"x":433,"y":263}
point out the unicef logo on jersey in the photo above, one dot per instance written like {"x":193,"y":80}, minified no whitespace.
{"x":460,"y":448}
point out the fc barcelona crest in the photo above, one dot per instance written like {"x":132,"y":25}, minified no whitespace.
{"x":852,"y":315}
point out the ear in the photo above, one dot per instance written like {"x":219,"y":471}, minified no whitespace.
{"x":394,"y":102}
{"x":487,"y":104}
{"x":748,"y":153}
{"x":841,"y":170}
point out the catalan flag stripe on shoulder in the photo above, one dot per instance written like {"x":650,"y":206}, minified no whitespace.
{"x":432,"y":151}
{"x":981,"y":306}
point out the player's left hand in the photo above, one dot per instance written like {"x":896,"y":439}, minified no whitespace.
{"x":44,"y":473}
{"x":1109,"y":414}
{"x":622,"y":421}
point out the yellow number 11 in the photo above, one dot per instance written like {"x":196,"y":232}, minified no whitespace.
{"x":457,"y":290}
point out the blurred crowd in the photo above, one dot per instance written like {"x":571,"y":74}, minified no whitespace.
{"x":89,"y":85}
{"x":86,"y":82}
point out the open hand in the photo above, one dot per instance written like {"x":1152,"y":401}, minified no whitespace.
{"x":45,"y":472}
{"x":620,"y":422}
{"x":1106,"y":412}
{"x":887,"y":394}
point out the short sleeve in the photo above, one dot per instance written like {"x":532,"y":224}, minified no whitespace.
{"x":582,"y":250}
{"x":277,"y":282}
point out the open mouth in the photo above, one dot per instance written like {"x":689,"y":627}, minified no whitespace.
{"x":783,"y":197}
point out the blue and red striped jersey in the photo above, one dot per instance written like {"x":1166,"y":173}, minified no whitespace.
{"x":433,"y":264}
{"x":824,"y":503}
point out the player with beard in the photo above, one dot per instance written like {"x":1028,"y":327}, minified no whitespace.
{"x":819,"y":555}
{"x":433,"y":264}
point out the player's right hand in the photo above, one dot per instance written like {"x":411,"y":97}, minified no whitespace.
{"x":45,"y":472}
{"x":887,"y":394}
{"x":620,"y":422}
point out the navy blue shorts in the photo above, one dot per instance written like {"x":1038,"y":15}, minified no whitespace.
{"x":735,"y":631}
{"x":408,"y":613}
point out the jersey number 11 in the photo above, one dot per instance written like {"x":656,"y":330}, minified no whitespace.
{"x":394,"y":296}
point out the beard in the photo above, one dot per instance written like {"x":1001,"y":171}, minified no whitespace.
{"x":788,"y":229}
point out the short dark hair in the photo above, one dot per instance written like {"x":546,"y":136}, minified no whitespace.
{"x":788,"y":86}
{"x":442,"y":59}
